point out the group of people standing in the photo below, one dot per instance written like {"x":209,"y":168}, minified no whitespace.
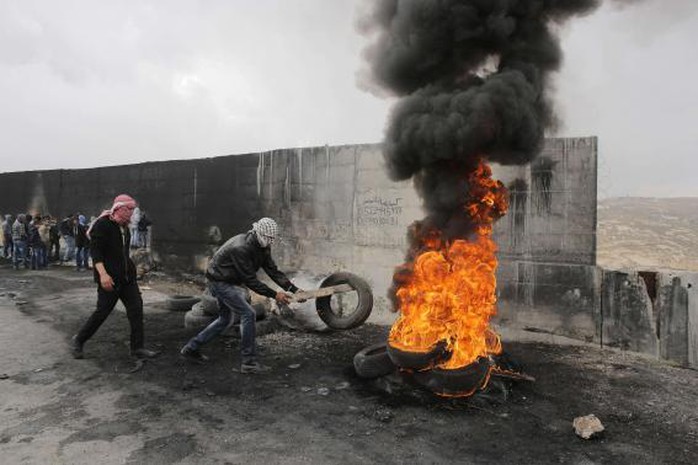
{"x":34,"y":241}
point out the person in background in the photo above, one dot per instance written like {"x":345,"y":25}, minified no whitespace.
{"x":19,"y":242}
{"x":54,"y":249}
{"x":82,"y":244}
{"x":36,"y":247}
{"x":115,"y":275}
{"x":133,"y":227}
{"x":230,"y":273}
{"x":45,"y":237}
{"x":66,"y":228}
{"x":7,"y":236}
{"x":143,"y":228}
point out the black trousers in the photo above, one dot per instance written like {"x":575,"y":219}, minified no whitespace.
{"x":130,"y":295}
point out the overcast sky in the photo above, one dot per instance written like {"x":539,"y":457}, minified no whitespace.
{"x":89,"y":83}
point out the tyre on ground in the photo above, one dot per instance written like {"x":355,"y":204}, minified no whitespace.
{"x":196,"y":319}
{"x":373,"y":362}
{"x":419,"y":360}
{"x":181,"y":303}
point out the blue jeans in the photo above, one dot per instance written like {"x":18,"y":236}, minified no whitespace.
{"x":69,"y":248}
{"x":81,"y":257}
{"x":19,"y":254}
{"x":38,"y":257}
{"x":7,"y":252}
{"x":230,"y":299}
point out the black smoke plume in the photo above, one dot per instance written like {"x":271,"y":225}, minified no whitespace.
{"x":450,"y":114}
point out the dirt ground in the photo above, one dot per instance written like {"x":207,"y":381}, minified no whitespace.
{"x":311,"y":408}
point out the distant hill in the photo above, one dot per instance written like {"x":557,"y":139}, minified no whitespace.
{"x":648,"y":233}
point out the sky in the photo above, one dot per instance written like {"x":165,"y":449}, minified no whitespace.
{"x":92,"y":83}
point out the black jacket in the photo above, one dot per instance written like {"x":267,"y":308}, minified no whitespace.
{"x":239,"y":259}
{"x":109,"y":245}
{"x":81,"y":236}
{"x":66,"y":227}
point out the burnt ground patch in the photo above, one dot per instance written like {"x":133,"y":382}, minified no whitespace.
{"x":322,"y":412}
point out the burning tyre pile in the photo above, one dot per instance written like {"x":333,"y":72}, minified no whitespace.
{"x":446,"y":298}
{"x":472,"y":77}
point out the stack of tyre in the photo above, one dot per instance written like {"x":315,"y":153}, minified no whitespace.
{"x":423,"y":368}
{"x":203,"y":309}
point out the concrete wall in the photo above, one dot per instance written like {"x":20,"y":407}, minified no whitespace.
{"x":652,"y":312}
{"x":339,"y":211}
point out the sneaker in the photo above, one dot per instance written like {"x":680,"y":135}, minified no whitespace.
{"x":193,"y":355}
{"x":76,"y":347}
{"x":144,"y":353}
{"x":251,"y":368}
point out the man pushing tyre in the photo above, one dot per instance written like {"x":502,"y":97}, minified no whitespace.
{"x":233,"y":270}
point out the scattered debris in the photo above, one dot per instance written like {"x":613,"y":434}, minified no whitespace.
{"x":383,"y":415}
{"x":588,"y":426}
{"x":306,"y":388}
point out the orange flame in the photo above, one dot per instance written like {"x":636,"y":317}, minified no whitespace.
{"x":449,"y":293}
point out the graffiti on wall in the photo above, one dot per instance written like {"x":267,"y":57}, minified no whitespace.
{"x":378,"y":219}
{"x":378,"y":210}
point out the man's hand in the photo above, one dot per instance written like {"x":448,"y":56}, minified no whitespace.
{"x":283,"y":298}
{"x":105,"y":280}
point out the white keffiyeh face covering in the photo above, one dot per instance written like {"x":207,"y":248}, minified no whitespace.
{"x":265,"y":230}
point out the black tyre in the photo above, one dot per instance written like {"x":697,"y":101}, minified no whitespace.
{"x":419,"y":360}
{"x":194,"y":320}
{"x":346,"y":310}
{"x":373,"y":362}
{"x":197,"y":309}
{"x":206,"y":308}
{"x":260,"y":311}
{"x":181,"y":303}
{"x":460,"y":382}
{"x":209,"y":305}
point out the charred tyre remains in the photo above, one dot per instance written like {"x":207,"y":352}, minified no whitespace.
{"x":417,"y":360}
{"x":373,"y":362}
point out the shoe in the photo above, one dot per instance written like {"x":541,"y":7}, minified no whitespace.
{"x":144,"y":353}
{"x":76,"y":347}
{"x":193,"y":355}
{"x":251,"y":368}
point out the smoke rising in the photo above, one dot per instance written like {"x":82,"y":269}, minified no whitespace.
{"x":450,"y":114}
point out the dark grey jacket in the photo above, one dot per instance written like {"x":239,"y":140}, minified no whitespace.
{"x":239,"y":259}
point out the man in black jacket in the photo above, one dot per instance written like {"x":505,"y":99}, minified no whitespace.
{"x":233,"y":270}
{"x":115,"y":275}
